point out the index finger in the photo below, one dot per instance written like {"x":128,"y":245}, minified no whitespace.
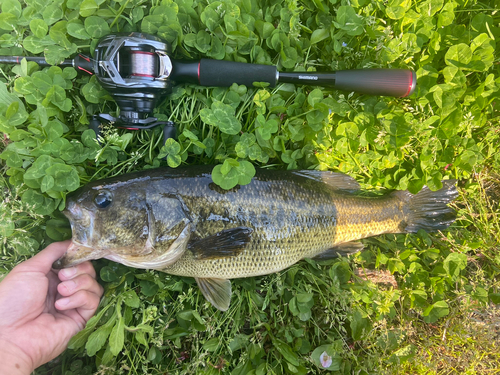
{"x":80,"y":269}
{"x":42,"y":262}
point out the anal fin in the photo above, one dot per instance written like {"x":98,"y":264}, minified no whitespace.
{"x":216,"y":291}
{"x":342,"y":249}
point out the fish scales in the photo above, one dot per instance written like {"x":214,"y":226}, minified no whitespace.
{"x":288,"y":222}
{"x":301,"y":232}
{"x":178,"y":221}
{"x":368,"y":217}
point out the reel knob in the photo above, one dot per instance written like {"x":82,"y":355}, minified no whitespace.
{"x":95,"y":125}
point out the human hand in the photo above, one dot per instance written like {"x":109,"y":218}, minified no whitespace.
{"x":42,"y":308}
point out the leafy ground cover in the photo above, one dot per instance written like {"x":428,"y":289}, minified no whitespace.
{"x":423,"y":303}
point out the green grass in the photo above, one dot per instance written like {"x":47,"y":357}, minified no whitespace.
{"x":418,"y":304}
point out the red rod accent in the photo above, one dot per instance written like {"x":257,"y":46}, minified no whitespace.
{"x":409,"y":86}
{"x":85,"y":57}
{"x":142,"y":53}
{"x":85,"y":70}
{"x":199,"y":63}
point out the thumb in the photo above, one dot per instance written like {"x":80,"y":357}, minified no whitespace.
{"x":42,"y":262}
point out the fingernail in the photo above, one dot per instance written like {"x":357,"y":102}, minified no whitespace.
{"x":68,"y":272}
{"x":63,"y":301}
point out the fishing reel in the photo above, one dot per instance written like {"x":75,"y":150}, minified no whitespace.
{"x":137,"y":70}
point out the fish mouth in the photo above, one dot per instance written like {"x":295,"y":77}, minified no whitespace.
{"x":82,"y":224}
{"x":76,"y":254}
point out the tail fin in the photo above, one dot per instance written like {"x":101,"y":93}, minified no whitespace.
{"x":428,"y":210}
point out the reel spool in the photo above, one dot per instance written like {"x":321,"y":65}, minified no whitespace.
{"x":135,"y":69}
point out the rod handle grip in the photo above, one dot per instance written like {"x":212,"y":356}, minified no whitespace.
{"x":384,"y":82}
{"x":224,"y":73}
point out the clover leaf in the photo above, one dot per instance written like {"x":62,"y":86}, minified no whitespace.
{"x":233,"y":172}
{"x":222,"y":116}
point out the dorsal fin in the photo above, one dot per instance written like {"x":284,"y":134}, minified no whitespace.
{"x":226,"y":243}
{"x":337,"y":181}
{"x":216,"y":291}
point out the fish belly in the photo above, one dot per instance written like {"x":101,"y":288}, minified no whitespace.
{"x":255,"y":260}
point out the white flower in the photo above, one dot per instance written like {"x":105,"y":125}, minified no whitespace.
{"x":325,"y":359}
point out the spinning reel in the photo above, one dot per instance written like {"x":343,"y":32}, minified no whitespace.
{"x":136,"y":69}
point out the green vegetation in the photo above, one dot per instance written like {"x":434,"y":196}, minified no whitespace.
{"x":406,"y":301}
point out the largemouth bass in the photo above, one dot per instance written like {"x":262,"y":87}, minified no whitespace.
{"x":178,"y":221}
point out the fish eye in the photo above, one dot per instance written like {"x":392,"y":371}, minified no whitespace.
{"x":103,"y":199}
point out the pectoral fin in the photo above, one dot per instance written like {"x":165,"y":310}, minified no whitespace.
{"x":342,"y":249}
{"x":226,"y":243}
{"x":216,"y":291}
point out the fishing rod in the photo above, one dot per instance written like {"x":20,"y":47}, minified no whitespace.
{"x":137,"y":70}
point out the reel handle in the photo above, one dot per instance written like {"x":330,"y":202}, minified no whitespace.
{"x":169,"y":129}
